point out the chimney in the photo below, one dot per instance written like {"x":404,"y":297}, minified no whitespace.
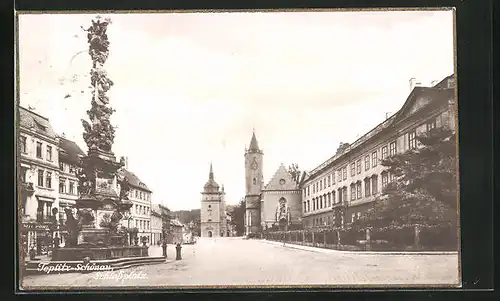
{"x":414,"y":83}
{"x":434,"y":83}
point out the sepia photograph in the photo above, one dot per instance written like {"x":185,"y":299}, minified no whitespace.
{"x":237,"y":149}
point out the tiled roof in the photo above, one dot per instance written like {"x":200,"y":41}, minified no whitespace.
{"x":70,"y":151}
{"x":40,"y":124}
{"x":134,"y":180}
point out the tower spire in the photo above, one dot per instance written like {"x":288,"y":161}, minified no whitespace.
{"x":211,"y":173}
{"x":254,"y":145}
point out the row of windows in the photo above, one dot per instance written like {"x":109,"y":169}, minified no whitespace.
{"x":336,"y":197}
{"x":142,"y":195}
{"x":39,"y":149}
{"x":67,"y":167}
{"x":141,"y":224}
{"x":370,"y":161}
{"x":69,"y":189}
{"x":142,"y":210}
{"x":47,"y":178}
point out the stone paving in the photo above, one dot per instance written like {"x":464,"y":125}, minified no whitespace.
{"x":237,"y":262}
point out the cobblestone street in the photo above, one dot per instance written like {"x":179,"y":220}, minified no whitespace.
{"x":235,"y":261}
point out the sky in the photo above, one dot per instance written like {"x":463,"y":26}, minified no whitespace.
{"x":190,"y":87}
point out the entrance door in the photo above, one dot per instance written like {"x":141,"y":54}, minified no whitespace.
{"x":209,"y":233}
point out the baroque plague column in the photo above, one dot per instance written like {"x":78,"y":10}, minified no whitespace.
{"x":97,"y":177}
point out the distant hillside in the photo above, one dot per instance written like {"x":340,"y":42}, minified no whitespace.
{"x":185,"y":216}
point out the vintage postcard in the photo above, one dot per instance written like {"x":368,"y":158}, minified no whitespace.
{"x":228,"y":149}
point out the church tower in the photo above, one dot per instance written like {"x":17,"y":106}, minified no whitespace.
{"x":212,"y":207}
{"x":253,"y":185}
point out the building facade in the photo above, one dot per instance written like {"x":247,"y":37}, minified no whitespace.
{"x":213,"y":209}
{"x":156,"y":224}
{"x":38,"y":180}
{"x":140,"y":212}
{"x":69,"y":161}
{"x":341,"y":189}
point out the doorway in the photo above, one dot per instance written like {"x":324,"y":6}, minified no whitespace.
{"x":209,"y":233}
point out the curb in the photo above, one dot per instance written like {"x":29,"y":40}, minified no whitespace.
{"x":324,"y":250}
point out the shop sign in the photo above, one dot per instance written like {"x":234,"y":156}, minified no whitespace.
{"x":35,"y":227}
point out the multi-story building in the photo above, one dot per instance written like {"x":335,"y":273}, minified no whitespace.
{"x":341,"y":189}
{"x":69,"y":161}
{"x":156,"y":224}
{"x":39,"y":164}
{"x":140,"y":212}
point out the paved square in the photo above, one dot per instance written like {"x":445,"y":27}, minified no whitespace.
{"x":239,"y":262}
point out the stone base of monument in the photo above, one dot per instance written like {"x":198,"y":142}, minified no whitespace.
{"x":98,"y":252}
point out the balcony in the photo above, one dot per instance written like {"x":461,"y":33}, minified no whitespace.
{"x":27,"y":187}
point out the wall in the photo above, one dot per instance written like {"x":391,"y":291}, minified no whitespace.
{"x":271,"y":201}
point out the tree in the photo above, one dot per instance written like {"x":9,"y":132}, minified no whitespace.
{"x":237,"y":214}
{"x":424,"y":184}
{"x":294,"y":171}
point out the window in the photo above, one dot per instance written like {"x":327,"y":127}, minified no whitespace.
{"x":314,"y":188}
{"x":385,"y":179}
{"x":344,"y":173}
{"x":412,"y":142}
{"x":353,"y":192}
{"x":320,"y":185}
{"x":431,"y":125}
{"x":358,"y":215}
{"x":329,"y":180}
{"x":333,"y":197}
{"x":392,"y":149}
{"x":353,"y":169}
{"x":333,"y":178}
{"x":374,"y":184}
{"x":72,"y":187}
{"x":324,"y":182}
{"x":39,"y":150}
{"x":136,"y":222}
{"x":339,"y":174}
{"x":344,"y":193}
{"x":358,"y":166}
{"x":23,"y":144}
{"x":367,"y":187}
{"x":367,"y":162}
{"x":314,"y":204}
{"x":321,"y":202}
{"x":353,"y":217}
{"x":61,"y":166}
{"x":304,"y":207}
{"x":136,"y":194}
{"x":329,"y":200}
{"x":384,"y":152}
{"x":40,"y":178}
{"x":317,"y":187}
{"x":374,"y":159}
{"x":62,"y":186}
{"x":308,"y":206}
{"x":358,"y":190}
{"x":308,"y":191}
{"x":23,"y":174}
{"x":49,"y":153}
{"x":48,"y":180}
